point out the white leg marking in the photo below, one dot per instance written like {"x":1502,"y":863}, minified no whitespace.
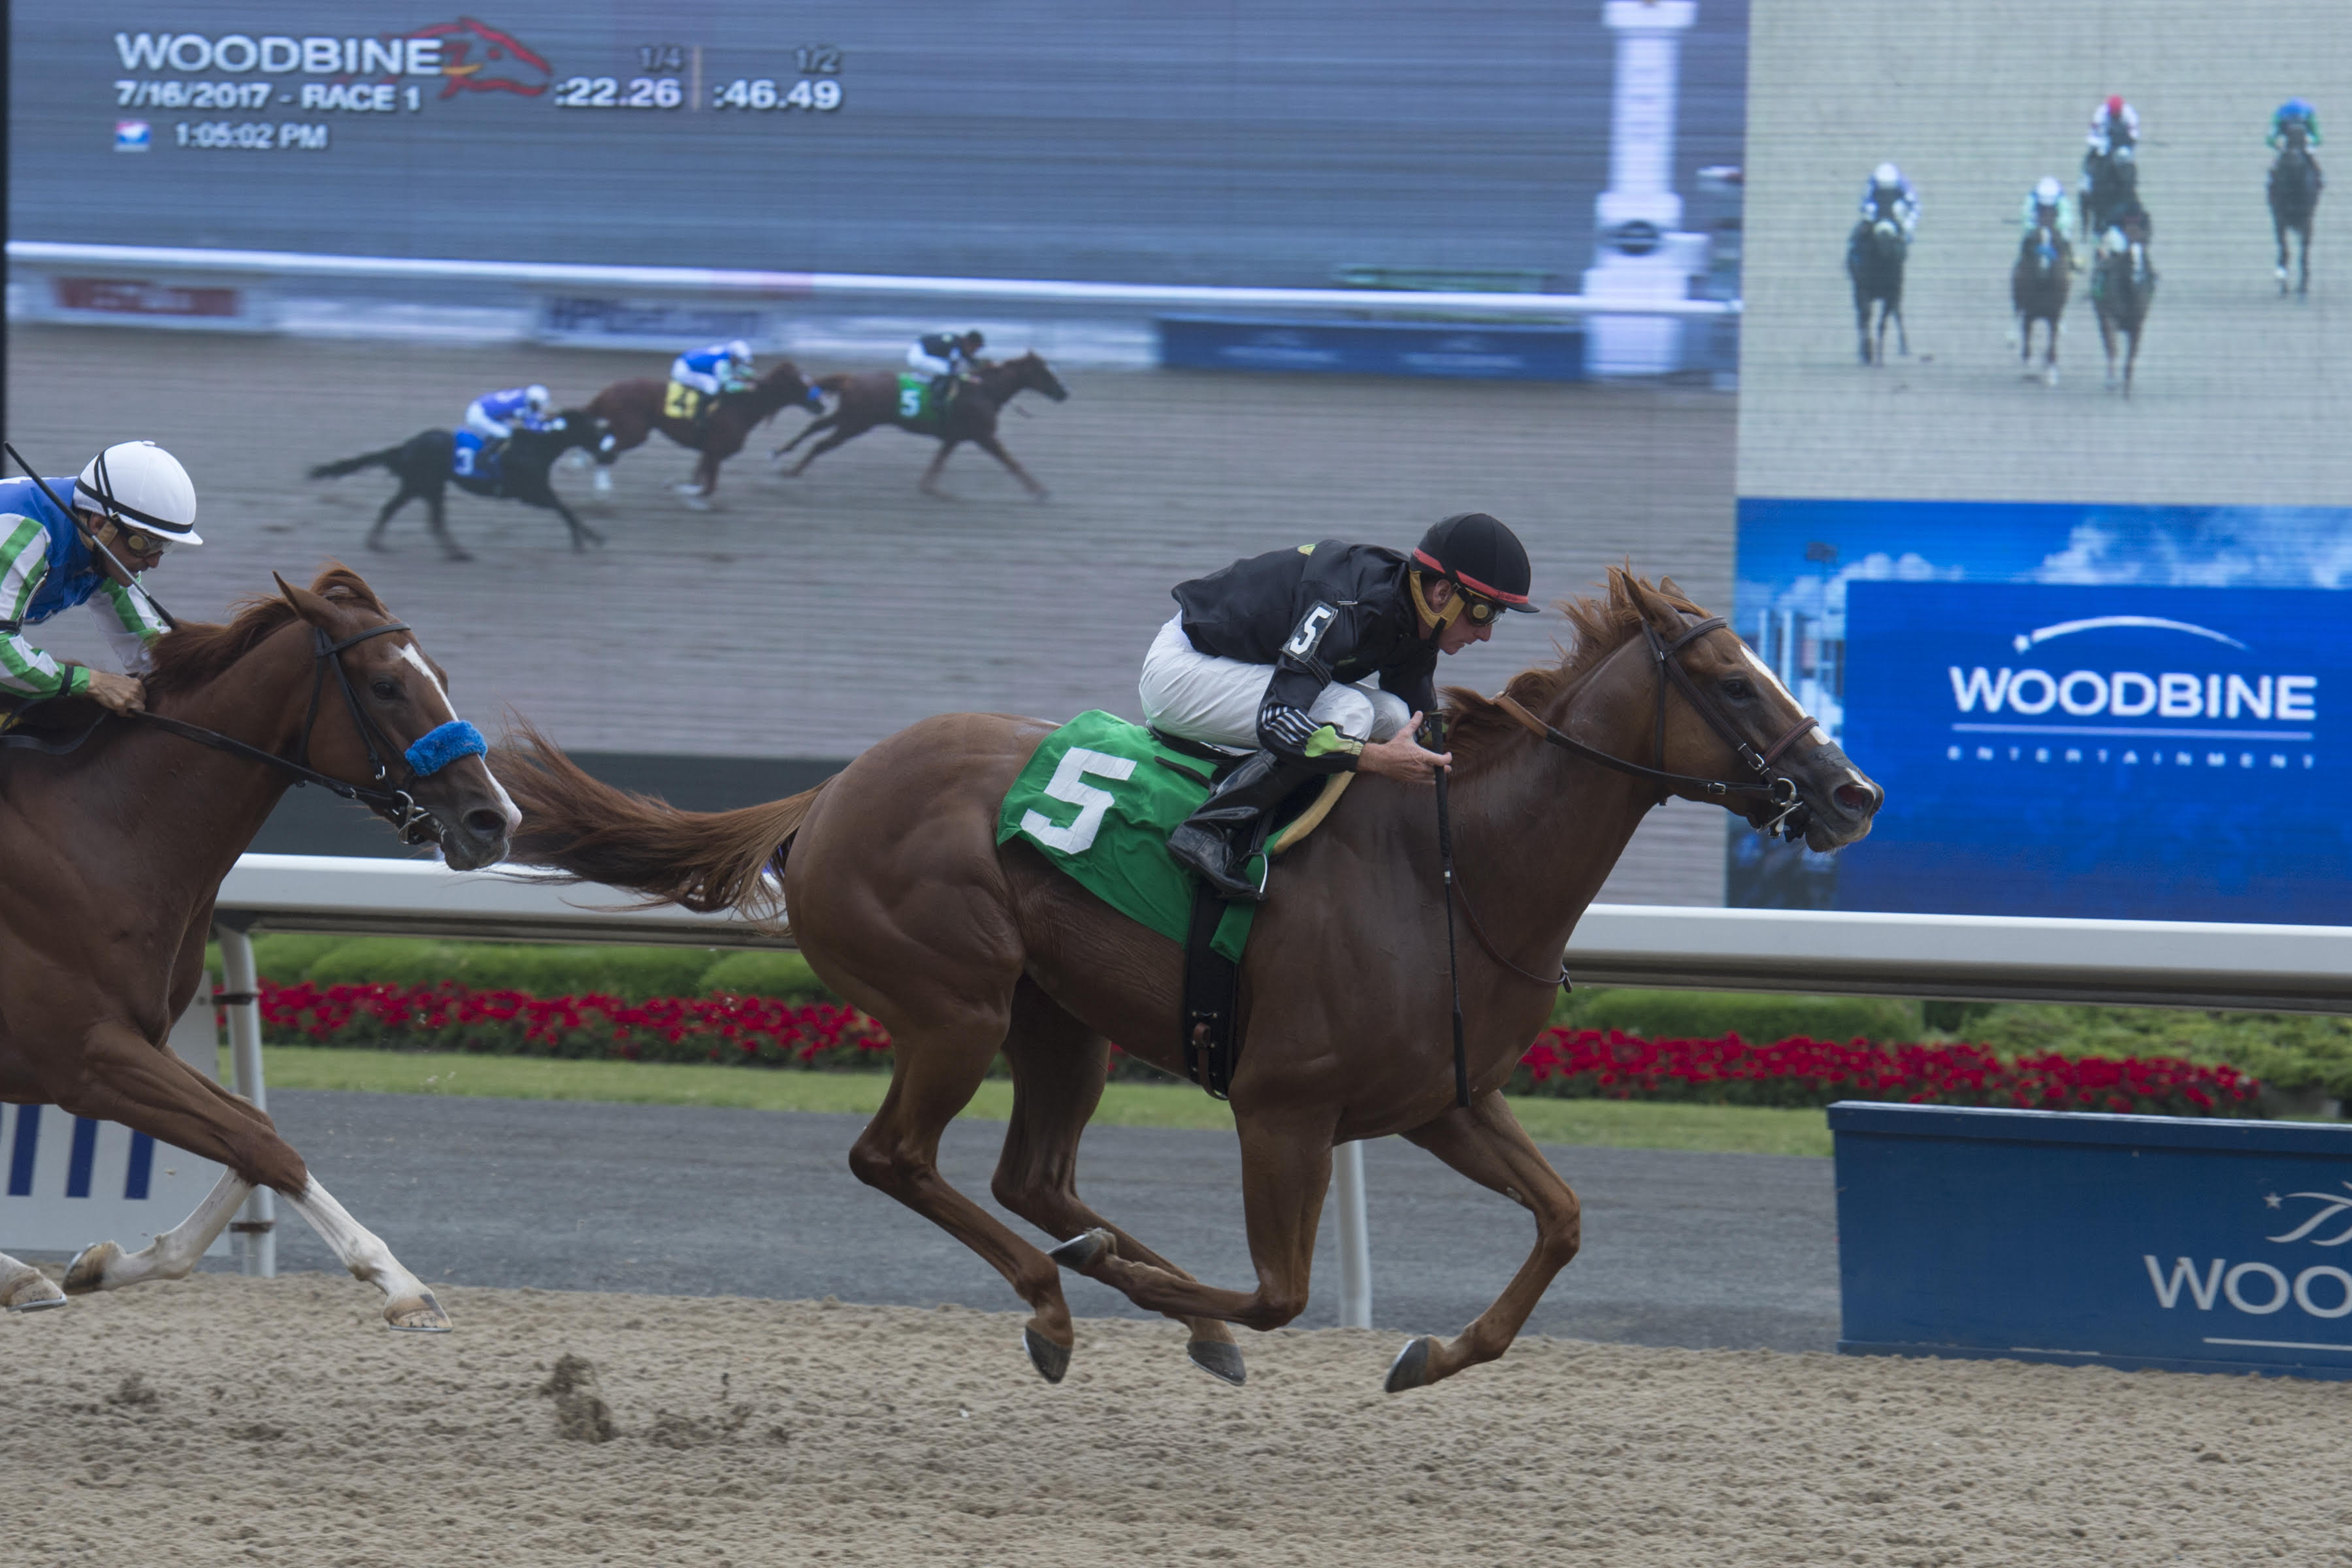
{"x":173,"y":1254}
{"x":407,"y":1302}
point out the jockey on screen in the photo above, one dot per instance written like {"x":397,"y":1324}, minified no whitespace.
{"x":2048,"y":203}
{"x":1280,"y":653}
{"x":135,"y":502}
{"x":2294,"y":110}
{"x":1890,"y":195}
{"x":945,"y":357}
{"x":2114,"y":125}
{"x":715,"y":371}
{"x":496,"y":416}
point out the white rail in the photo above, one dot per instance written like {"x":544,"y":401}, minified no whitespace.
{"x":2180,"y":964}
{"x":816,"y":285}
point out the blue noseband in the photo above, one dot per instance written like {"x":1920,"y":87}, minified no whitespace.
{"x":436,"y":749}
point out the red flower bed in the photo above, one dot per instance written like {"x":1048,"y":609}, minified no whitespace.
{"x":1586,"y":1064}
{"x":756,"y":1031}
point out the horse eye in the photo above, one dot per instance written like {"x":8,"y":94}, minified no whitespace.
{"x":384,"y":689}
{"x":1736,"y":690}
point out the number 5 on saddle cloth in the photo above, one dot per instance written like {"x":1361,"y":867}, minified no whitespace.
{"x":1098,"y":799}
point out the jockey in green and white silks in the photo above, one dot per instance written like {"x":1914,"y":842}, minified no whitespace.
{"x":2048,"y":201}
{"x":136,"y":500}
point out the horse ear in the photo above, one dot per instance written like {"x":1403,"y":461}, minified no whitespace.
{"x":1652,"y":605}
{"x":307,"y":605}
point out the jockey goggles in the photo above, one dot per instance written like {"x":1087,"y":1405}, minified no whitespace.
{"x":1475,"y":608}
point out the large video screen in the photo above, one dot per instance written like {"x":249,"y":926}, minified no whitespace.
{"x":416,"y":193}
{"x":2076,"y":599}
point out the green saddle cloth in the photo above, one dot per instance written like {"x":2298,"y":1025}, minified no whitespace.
{"x":917,"y":400}
{"x":1098,"y":799}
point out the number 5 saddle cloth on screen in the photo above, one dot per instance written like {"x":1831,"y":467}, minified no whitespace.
{"x":1099,"y":798}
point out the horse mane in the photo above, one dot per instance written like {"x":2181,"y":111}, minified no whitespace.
{"x":1476,"y":726}
{"x":197,"y":652}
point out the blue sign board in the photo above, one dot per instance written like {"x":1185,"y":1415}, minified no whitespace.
{"x":2100,"y":750}
{"x":2126,"y":1241}
{"x":1454,"y":351}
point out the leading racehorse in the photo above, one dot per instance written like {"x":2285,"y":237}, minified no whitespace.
{"x":2123,"y":283}
{"x":425,"y":466}
{"x":907,"y":906}
{"x":1874,"y":255}
{"x":111,"y":851}
{"x":2294,"y":189}
{"x":875,"y":398}
{"x":2038,"y":285}
{"x":635,"y":409}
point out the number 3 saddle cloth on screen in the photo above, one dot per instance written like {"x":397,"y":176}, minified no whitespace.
{"x":1099,"y":800}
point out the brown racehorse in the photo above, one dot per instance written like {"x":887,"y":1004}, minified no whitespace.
{"x":908,"y":907}
{"x":634,"y":411}
{"x":872,"y":398}
{"x":2038,"y":284}
{"x":2123,"y":283}
{"x":109,"y":858}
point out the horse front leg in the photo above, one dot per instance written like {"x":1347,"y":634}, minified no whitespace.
{"x":2278,"y":227}
{"x":24,"y":1289}
{"x":173,"y":1254}
{"x":400,"y":498}
{"x":1862,"y":324}
{"x":582,"y":536}
{"x":1488,"y":1144}
{"x":2303,"y":284}
{"x":930,"y":483}
{"x":995,"y":448}
{"x":836,"y":438}
{"x":437,"y":513}
{"x":823,"y":422}
{"x":1902,"y":334}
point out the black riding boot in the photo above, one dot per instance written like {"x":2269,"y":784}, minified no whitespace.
{"x":1218,"y":839}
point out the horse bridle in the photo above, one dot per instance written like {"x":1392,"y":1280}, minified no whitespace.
{"x":1779,"y":789}
{"x":427,"y":755}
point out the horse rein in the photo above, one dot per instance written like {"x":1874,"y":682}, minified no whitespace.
{"x":1780,"y":790}
{"x":427,"y":755}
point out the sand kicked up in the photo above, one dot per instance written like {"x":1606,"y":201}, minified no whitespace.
{"x":235,"y":1421}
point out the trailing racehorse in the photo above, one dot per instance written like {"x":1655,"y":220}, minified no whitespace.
{"x":2294,"y":187}
{"x":2110,"y":187}
{"x":633,"y":410}
{"x":2037,"y":290}
{"x":110,"y":853}
{"x":906,"y":904}
{"x":426,"y":464}
{"x":2123,"y":282}
{"x":1873,"y":259}
{"x":879,"y":397}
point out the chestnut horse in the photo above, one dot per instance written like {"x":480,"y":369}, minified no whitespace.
{"x":633,"y":410}
{"x":110,"y":853}
{"x":907,"y":906}
{"x":2038,"y":285}
{"x":873,"y":398}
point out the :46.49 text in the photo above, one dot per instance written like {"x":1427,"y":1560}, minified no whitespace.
{"x":823,"y":95}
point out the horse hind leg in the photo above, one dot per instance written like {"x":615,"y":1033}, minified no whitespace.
{"x":173,"y":1254}
{"x":1487,"y":1145}
{"x":1058,"y":1069}
{"x":408,"y":1304}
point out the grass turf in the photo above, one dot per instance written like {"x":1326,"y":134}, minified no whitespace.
{"x":1610,"y":1123}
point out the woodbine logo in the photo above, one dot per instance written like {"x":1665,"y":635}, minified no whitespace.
{"x":2258,"y":1290}
{"x":467,"y":54}
{"x":2133,"y":694}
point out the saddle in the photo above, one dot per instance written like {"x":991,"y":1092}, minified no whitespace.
{"x":1212,"y":981}
{"x":51,"y":726}
{"x":680,"y":401}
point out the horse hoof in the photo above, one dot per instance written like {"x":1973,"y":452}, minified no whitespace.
{"x":1219,"y":1360}
{"x":1052,"y":1360}
{"x":87,"y":1272}
{"x":1410,"y":1368}
{"x":31,"y":1291}
{"x":1081,"y":1250}
{"x":417,"y":1314}
{"x":696,"y":503}
{"x":2051,"y":377}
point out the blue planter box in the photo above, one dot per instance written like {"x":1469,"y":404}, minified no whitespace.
{"x":1373,"y":348}
{"x":2126,"y":1241}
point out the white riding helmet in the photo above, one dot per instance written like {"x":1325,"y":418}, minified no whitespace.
{"x":538,"y":396}
{"x":140,"y":484}
{"x":2048,"y":192}
{"x":1886,"y":176}
{"x":740,"y":351}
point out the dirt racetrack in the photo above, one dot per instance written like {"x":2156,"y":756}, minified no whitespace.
{"x":235,"y":1421}
{"x":809,"y":617}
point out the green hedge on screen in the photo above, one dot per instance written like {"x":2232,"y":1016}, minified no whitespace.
{"x":632,"y":973}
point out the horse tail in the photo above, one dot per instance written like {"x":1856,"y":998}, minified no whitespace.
{"x":703,"y":861}
{"x":337,"y":469}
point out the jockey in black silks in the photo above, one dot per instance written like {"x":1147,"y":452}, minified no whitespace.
{"x":1320,"y":659}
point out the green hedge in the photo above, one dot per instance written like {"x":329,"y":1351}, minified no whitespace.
{"x":1759,"y":1019}
{"x":632,"y":973}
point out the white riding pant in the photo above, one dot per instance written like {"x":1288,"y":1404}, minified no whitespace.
{"x":929,"y":364}
{"x":1199,"y":697}
{"x":482,"y":425}
{"x":704,"y":381}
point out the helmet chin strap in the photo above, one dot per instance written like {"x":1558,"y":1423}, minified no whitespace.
{"x":1436,"y":620}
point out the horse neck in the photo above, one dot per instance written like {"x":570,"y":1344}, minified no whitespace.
{"x":1538,"y":830}
{"x":203,"y":805}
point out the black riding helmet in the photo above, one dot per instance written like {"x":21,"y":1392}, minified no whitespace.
{"x":1476,"y":551}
